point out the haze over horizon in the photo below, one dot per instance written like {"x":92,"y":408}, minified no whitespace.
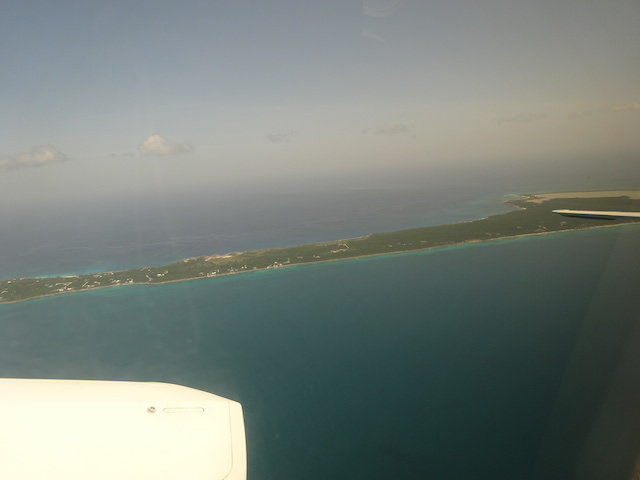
{"x":119,"y":97}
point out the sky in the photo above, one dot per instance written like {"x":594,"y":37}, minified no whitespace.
{"x":109,"y":98}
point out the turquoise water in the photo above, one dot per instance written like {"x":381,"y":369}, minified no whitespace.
{"x":447,"y":364}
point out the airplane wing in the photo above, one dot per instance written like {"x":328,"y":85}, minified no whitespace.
{"x":77,"y":429}
{"x":597,"y":214}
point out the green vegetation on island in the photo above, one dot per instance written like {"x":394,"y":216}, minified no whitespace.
{"x":533,"y":216}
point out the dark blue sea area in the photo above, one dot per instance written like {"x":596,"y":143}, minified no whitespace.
{"x":511,"y":359}
{"x":445,"y":364}
{"x":149,"y":231}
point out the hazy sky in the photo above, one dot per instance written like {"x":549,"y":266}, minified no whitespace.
{"x":113,"y":96}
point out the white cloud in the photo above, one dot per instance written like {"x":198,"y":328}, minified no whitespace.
{"x":38,"y":157}
{"x":626,"y":108}
{"x":156,"y":145}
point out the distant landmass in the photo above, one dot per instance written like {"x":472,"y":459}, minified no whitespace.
{"x":533,"y":216}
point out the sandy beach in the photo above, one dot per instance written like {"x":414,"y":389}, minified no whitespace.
{"x":543,"y":197}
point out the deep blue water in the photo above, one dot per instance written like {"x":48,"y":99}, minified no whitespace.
{"x":147,"y":231}
{"x":443,"y":364}
{"x":502,"y":360}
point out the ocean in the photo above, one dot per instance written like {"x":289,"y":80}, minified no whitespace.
{"x":499,"y":360}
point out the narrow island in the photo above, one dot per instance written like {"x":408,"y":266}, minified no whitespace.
{"x":532,"y":216}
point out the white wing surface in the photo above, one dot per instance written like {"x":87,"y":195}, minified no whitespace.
{"x":597,"y":214}
{"x":74,"y":429}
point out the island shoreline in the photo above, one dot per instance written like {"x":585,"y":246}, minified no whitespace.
{"x":470,"y":242}
{"x":531,"y":215}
